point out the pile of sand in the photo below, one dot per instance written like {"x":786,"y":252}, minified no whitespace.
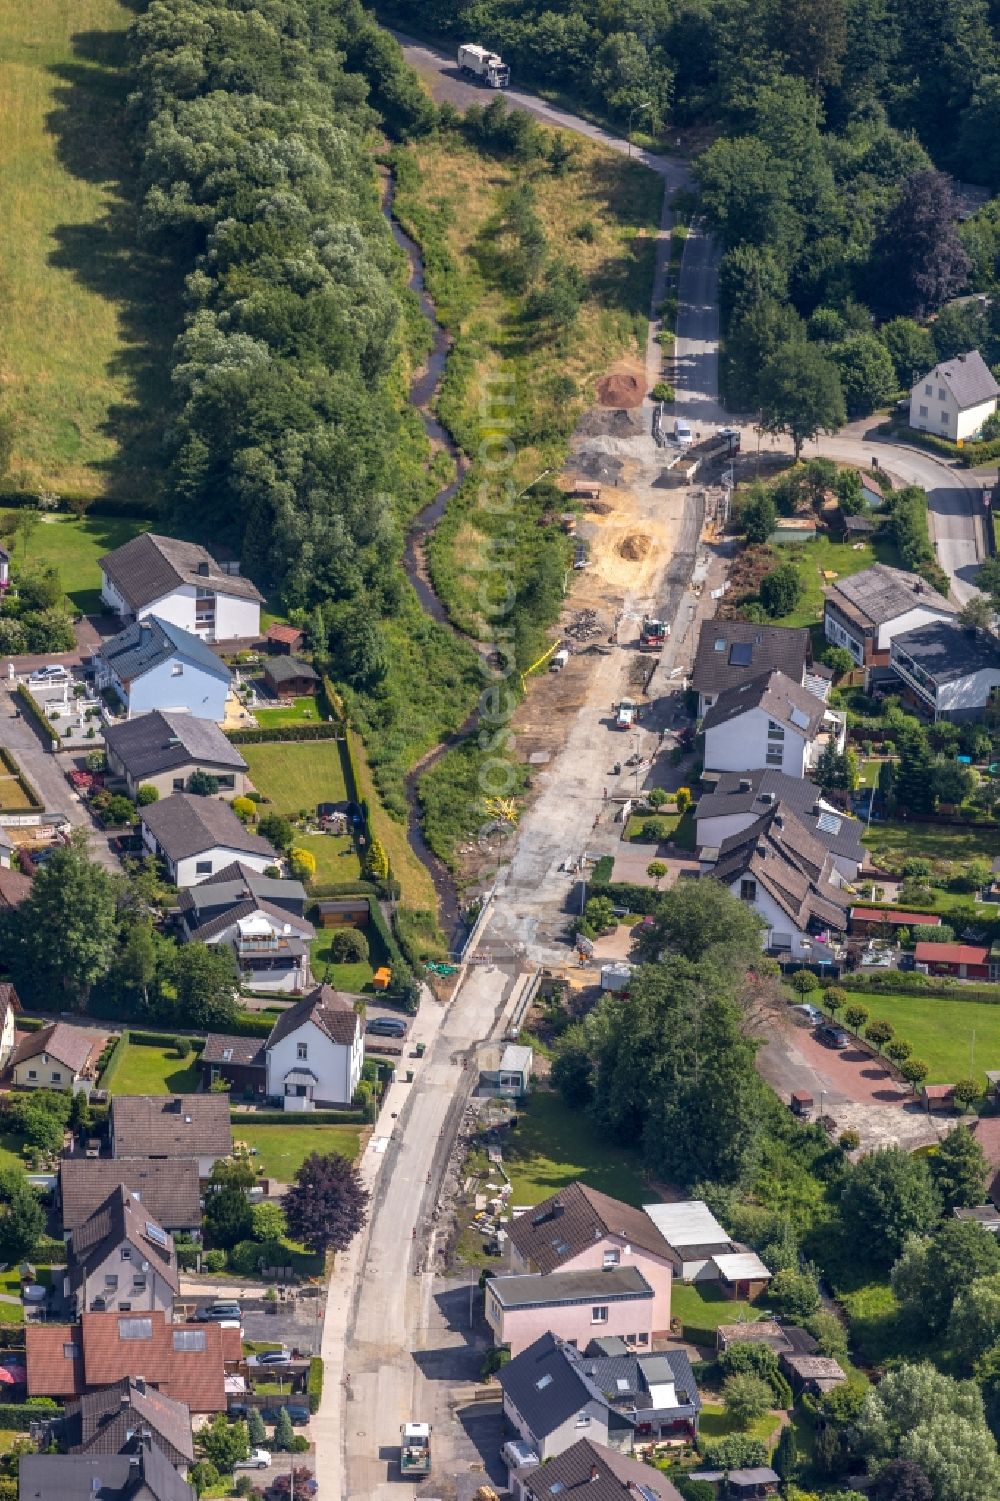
{"x":634,"y":546}
{"x":620,"y":390}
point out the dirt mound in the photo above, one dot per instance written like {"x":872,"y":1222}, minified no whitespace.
{"x":635,"y":546}
{"x":620,"y":390}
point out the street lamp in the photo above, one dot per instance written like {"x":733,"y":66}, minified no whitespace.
{"x":636,"y":109}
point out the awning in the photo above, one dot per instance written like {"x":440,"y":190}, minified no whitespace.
{"x":301,"y":1076}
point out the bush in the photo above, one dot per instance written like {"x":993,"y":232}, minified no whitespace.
{"x":145,"y":794}
{"x":299,"y":1444}
{"x":663,"y":391}
{"x":494,"y":1361}
{"x":203,"y":1475}
{"x":794,"y":1293}
{"x":746,"y":1398}
{"x":736,"y":1452}
{"x":804,"y":981}
{"x":214,"y":1261}
{"x":349,"y":946}
{"x":314,"y":1383}
{"x":849,"y":1141}
{"x":780,"y":591}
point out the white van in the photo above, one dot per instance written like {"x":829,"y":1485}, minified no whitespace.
{"x":682,"y":433}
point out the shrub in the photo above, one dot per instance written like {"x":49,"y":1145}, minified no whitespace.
{"x":314,"y":1383}
{"x":203,"y":784}
{"x":203,"y":1475}
{"x":303,"y":864}
{"x":299,"y":1444}
{"x":966,"y":1092}
{"x":804,"y":981}
{"x":794,"y":1293}
{"x":736,"y":1452}
{"x":849,"y":1141}
{"x":856,"y":1016}
{"x":146,"y":794}
{"x":746,"y":1398}
{"x":214,"y":1261}
{"x":663,"y":391}
{"x":244,"y":808}
{"x":183,"y":1047}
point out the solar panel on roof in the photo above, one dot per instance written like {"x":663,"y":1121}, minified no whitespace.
{"x":156,"y":1235}
{"x":646,"y":1493}
{"x":800,"y":718}
{"x":740,"y":654}
{"x":719,"y":644}
{"x":545,"y":1381}
{"x":829,"y":823}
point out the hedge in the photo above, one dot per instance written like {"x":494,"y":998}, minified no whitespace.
{"x":342,"y":888}
{"x":314,"y":1383}
{"x":32,"y":1023}
{"x":19,"y":1416}
{"x":323,"y":729}
{"x":284,"y":1118}
{"x":601,"y":874}
{"x":22,"y":781}
{"x":38,"y":714}
{"x":893,"y":982}
{"x":164,"y":1040}
{"x":249,"y":1024}
{"x":48,"y":1252}
{"x":114,"y":1062}
{"x":626,"y":894}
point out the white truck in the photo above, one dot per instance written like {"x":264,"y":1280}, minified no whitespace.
{"x":481,"y":63}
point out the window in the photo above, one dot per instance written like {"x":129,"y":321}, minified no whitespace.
{"x":71,"y":1352}
{"x":111,"y":1281}
{"x":177,"y":669}
{"x":612,"y":1258}
{"x":748,"y":890}
{"x":599,"y":1314}
{"x":126,"y":1253}
{"x":138,"y":1281}
{"x":56,"y":1076}
{"x":543,"y":1382}
{"x":944,"y":419}
{"x":928,"y":390}
{"x":583,"y":1420}
{"x":135,"y":1328}
{"x":178,"y":784}
{"x":923,"y":411}
{"x":227,"y":782}
{"x":774,"y":755}
{"x":941,"y":394}
{"x":642,"y":1339}
{"x":203,"y":868}
{"x":719,"y":644}
{"x":302,"y":1050}
{"x":32,"y":1073}
{"x":187,"y":1340}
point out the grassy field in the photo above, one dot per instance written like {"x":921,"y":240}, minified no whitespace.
{"x":715,"y":1424}
{"x":701,"y":1308}
{"x":840,"y":558}
{"x":12,"y":794}
{"x":295,"y":776}
{"x":293,"y":711}
{"x":84,"y":318}
{"x":281,"y":1150}
{"x":934,"y":841}
{"x":73,"y":548}
{"x":354,"y":978}
{"x":552,"y":1146}
{"x":417,"y":888}
{"x":957,"y":1039}
{"x":146,"y":1070}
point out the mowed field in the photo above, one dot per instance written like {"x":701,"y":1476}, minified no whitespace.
{"x":956,"y":1039}
{"x":78,"y":318}
{"x":296,"y":775}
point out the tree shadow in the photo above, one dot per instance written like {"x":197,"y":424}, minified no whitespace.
{"x":88,"y":125}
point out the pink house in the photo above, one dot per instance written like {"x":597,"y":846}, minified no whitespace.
{"x":581,"y":1229}
{"x":575,"y":1306}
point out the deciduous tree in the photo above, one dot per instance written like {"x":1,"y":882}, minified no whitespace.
{"x":327,"y":1204}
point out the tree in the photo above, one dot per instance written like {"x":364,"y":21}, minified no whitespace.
{"x":902,"y":1480}
{"x":22,"y":1219}
{"x":284,"y":1433}
{"x":207,"y":986}
{"x":327,"y":1204}
{"x":965,"y":1092}
{"x":244,"y":807}
{"x":64,"y":932}
{"x":911,"y":349}
{"x":867,"y":376}
{"x":377,"y":862}
{"x":746,"y":1398}
{"x":804,"y":982}
{"x":702,"y":920}
{"x":749,"y":1357}
{"x":203,"y":784}
{"x":828,"y":1332}
{"x":918,"y":1414}
{"x":256,"y":1432}
{"x":931,"y":1273}
{"x":977,"y":613}
{"x":839,"y":660}
{"x":268,"y":1222}
{"x":879,"y":1032}
{"x":800,"y":394}
{"x":834,"y":999}
{"x":757,"y":515}
{"x":780,"y":590}
{"x":897,"y":1048}
{"x":855,"y":1016}
{"x":914,"y":789}
{"x":813,"y":37}
{"x":785,"y":1458}
{"x":914,"y":1070}
{"x":974,"y":1325}
{"x":887,"y":1196}
{"x":795,"y":1293}
{"x":223,"y":1443}
{"x":349,"y":946}
{"x":302,"y":863}
{"x":952,"y":782}
{"x":656,"y":870}
{"x":203,"y":1476}
{"x":145,"y":794}
{"x":277,"y":829}
{"x":735,"y":1452}
{"x":228,"y":1215}
{"x":917,"y":259}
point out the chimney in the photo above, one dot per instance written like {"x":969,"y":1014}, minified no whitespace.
{"x":595,"y":1473}
{"x":745,"y":784}
{"x":779,"y":822}
{"x":767,"y":798}
{"x":140,"y":1385}
{"x":203,"y":570}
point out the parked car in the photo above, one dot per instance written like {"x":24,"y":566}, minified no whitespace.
{"x":834,"y":1037}
{"x":298,"y":1415}
{"x":221,"y":1312}
{"x":259,"y":1460}
{"x":271,"y":1357}
{"x":625,"y":717}
{"x":386,"y":1026}
{"x":53,"y":674}
{"x":810,"y":1014}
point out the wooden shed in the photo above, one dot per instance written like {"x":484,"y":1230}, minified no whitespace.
{"x":345,"y":912}
{"x":290,"y":677}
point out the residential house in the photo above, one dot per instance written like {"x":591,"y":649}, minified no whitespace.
{"x":701,"y":1251}
{"x":732,"y":652}
{"x":15,"y":887}
{"x":947,"y":671}
{"x":876,"y":922}
{"x":579,"y":1228}
{"x":791,"y":881}
{"x":986,"y":1130}
{"x":7,"y":848}
{"x":153,"y":664}
{"x":182,"y":583}
{"x":118,"y":1418}
{"x":10,"y":1006}
{"x":316,"y":1051}
{"x":986,"y":1215}
{"x":284,"y":640}
{"x":955,"y":398}
{"x":734,"y":800}
{"x":598,"y":1473}
{"x":145,"y":1475}
{"x":269,"y":940}
{"x":121,"y":1259}
{"x":290,"y":677}
{"x":167,"y":1189}
{"x":864,"y":611}
{"x":172,"y":1126}
{"x":198,"y":836}
{"x":55,"y":1057}
{"x":234,"y":885}
{"x":163,"y":750}
{"x":657,"y":1390}
{"x":552,"y":1402}
{"x":770,"y":722}
{"x":184,"y":1361}
{"x":962,"y":961}
{"x":240,"y":1061}
{"x":615,"y":1300}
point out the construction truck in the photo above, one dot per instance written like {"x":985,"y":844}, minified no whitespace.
{"x":654,"y":633}
{"x":481,"y":63}
{"x":415,"y":1449}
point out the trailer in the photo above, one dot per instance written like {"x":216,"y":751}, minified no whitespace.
{"x":480,"y":62}
{"x":415,"y":1449}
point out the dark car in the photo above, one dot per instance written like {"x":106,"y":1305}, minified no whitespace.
{"x":387,"y":1026}
{"x":219,"y":1313}
{"x":299,"y":1416}
{"x":834,"y":1037}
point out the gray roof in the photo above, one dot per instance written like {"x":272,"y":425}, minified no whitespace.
{"x":288,"y":669}
{"x":185,"y":825}
{"x":780,"y":697}
{"x":101,"y":1477}
{"x":221,"y":921}
{"x":545,"y":1404}
{"x":150,"y":642}
{"x":180,"y":1125}
{"x":753,"y":792}
{"x":165,"y":740}
{"x":791,"y":866}
{"x":731,"y":652}
{"x":967,"y":377}
{"x":630,"y":1382}
{"x":615,"y":1284}
{"x":880,"y":593}
{"x":945,"y":651}
{"x":241,"y":1052}
{"x":168,"y":1190}
{"x":234,"y":883}
{"x":602,"y":1473}
{"x":149,"y":567}
{"x":330,"y":1010}
{"x":121,"y":1220}
{"x":109,"y":1421}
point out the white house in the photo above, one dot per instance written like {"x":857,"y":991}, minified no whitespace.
{"x":182,"y":583}
{"x":198,"y":836}
{"x":770,"y":721}
{"x":315,"y":1052}
{"x":10,"y":1005}
{"x":154,"y":664}
{"x":791,"y":881}
{"x":955,"y":398}
{"x":864,"y":611}
{"x":738,"y":799}
{"x":947,"y":670}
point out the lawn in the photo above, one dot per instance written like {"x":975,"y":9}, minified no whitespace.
{"x":813,"y":558}
{"x":85,"y":318}
{"x":335,"y":855}
{"x":701,"y":1308}
{"x":147,"y":1070}
{"x":716,"y":1424}
{"x":957,"y":1039}
{"x":281,"y":1150}
{"x":353,"y":978}
{"x":73,"y":547}
{"x":934,"y":841}
{"x":293,"y":711}
{"x":553,"y":1145}
{"x":12,"y":794}
{"x":294,"y":776}
{"x":10,"y":1152}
